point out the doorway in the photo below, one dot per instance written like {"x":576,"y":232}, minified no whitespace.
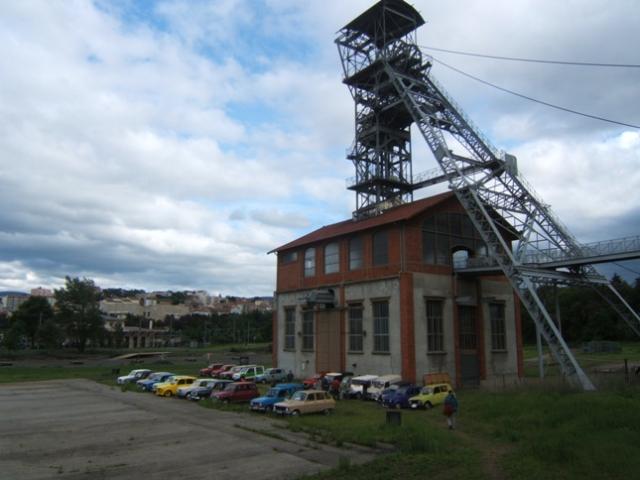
{"x":328,"y":346}
{"x":468,"y":341}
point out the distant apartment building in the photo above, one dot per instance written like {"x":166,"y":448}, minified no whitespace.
{"x":11,"y":301}
{"x":146,"y":307}
{"x":44,"y":292}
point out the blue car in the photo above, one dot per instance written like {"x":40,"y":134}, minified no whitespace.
{"x":156,"y":377}
{"x":397,"y":396}
{"x":275,"y":394}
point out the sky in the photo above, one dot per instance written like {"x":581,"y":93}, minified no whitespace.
{"x":171,"y":144}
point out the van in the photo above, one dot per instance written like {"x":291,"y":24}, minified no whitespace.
{"x":381,"y":383}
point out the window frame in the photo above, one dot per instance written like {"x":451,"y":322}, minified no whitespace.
{"x":381,"y":336}
{"x":289,"y":324}
{"x":380,"y":248}
{"x":333,"y":256}
{"x":498,"y":327}
{"x":356,"y":335}
{"x":308,"y":337}
{"x":310,"y":262}
{"x":356,"y":255}
{"x":434,"y":325}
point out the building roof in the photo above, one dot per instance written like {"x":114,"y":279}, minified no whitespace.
{"x":396,"y":214}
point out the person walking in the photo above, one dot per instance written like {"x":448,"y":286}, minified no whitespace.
{"x":451,"y":409}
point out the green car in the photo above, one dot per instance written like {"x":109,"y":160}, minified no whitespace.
{"x":430,"y":395}
{"x":248,"y":373}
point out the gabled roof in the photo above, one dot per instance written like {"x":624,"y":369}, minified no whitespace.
{"x":396,"y":214}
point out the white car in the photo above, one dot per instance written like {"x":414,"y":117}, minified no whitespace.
{"x":356,"y":388}
{"x":382,"y":383}
{"x":133,"y":376}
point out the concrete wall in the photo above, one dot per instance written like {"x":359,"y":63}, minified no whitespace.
{"x":302,"y":364}
{"x":368,"y":362}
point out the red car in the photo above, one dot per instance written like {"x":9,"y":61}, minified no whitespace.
{"x":228,"y":374}
{"x":237,"y":392}
{"x":208,"y":371}
{"x":224,"y":368}
{"x":311,"y":381}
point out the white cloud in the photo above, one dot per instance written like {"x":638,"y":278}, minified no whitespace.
{"x":172,"y":145}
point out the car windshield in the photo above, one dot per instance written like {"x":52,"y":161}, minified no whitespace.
{"x":275,"y":392}
{"x":298,"y":396}
{"x":229,"y":387}
{"x":425,"y":390}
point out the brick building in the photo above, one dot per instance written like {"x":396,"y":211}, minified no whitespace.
{"x":380,"y":295}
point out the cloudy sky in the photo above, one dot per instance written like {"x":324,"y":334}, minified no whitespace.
{"x":171,"y":144}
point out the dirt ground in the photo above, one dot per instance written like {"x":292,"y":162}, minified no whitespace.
{"x":79,"y":429}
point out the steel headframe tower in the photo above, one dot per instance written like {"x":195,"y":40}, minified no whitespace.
{"x":390,"y":81}
{"x":381,"y":152}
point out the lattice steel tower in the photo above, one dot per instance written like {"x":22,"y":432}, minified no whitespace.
{"x":390,"y":81}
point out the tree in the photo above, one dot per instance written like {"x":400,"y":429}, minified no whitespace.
{"x":13,"y":337}
{"x":50,"y":335}
{"x":79,"y":310}
{"x":33,"y":313}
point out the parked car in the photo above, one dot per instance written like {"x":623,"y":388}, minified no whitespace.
{"x":380,"y":384}
{"x":276,"y":394}
{"x":312,"y":380}
{"x":430,"y":395}
{"x":228,"y":374}
{"x":271,"y":375}
{"x":358,"y":384}
{"x":156,"y":377}
{"x":237,"y":392}
{"x":198,"y":383}
{"x":331,"y":381}
{"x":306,"y":401}
{"x":133,"y":376}
{"x":216,"y":385}
{"x":207,"y":371}
{"x":224,"y":368}
{"x":248,"y":373}
{"x":170,"y":387}
{"x":398,"y":395}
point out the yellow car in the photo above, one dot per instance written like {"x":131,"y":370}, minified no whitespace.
{"x":430,"y":395}
{"x":171,"y":386}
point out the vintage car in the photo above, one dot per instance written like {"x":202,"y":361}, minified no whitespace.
{"x":248,"y":373}
{"x":380,"y":384}
{"x":184,"y":391}
{"x":207,"y":371}
{"x":430,"y":395}
{"x":306,"y":401}
{"x":216,"y":385}
{"x":133,"y":376}
{"x":276,"y":394}
{"x":271,"y":375}
{"x":156,"y":377}
{"x":224,"y":368}
{"x":237,"y":392}
{"x":398,"y":395}
{"x":359,"y":384}
{"x":228,"y":374}
{"x":170,"y":387}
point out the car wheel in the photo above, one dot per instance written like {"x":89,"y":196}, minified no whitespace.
{"x":397,"y":406}
{"x":327,"y":412}
{"x":225,"y":402}
{"x":358,"y":396}
{"x":167,"y":393}
{"x":295,"y":413}
{"x":428,"y":406}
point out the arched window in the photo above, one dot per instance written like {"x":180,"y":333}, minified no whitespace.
{"x":444,"y":233}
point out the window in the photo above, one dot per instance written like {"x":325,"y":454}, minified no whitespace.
{"x":467,"y":333}
{"x":381,"y":327}
{"x":355,"y":328}
{"x":307,"y":330}
{"x":435,"y":337}
{"x":310,"y":262}
{"x":287,"y":257}
{"x":332,"y":258}
{"x":380,"y":248}
{"x":446,"y":232}
{"x":289,"y":329}
{"x":355,"y":253}
{"x":498,"y":334}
